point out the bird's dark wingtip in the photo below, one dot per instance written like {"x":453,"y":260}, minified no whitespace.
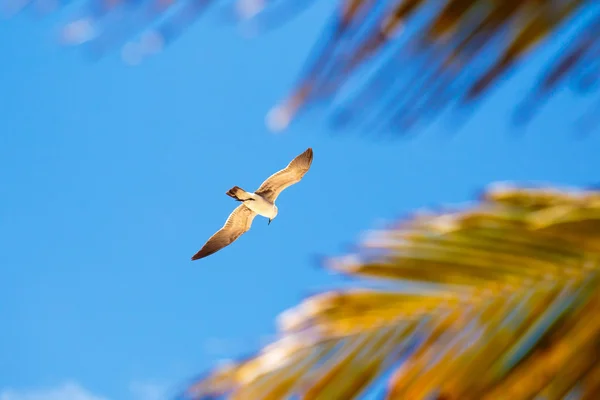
{"x":309,"y":153}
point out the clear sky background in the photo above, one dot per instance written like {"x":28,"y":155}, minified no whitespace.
{"x":112,"y":177}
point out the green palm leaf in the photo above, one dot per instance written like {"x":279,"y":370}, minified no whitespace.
{"x":506,"y":307}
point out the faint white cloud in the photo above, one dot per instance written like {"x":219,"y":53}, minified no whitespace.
{"x":73,"y":391}
{"x":147,"y":391}
{"x":67,"y":391}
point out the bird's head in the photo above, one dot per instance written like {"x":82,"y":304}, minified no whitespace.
{"x":273,"y":214}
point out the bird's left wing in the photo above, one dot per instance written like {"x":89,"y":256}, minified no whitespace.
{"x":291,"y":174}
{"x":239,"y":221}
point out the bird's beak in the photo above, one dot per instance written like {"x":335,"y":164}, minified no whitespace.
{"x":269,"y":221}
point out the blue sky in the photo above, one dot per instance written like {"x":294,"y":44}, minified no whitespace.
{"x":112,"y":177}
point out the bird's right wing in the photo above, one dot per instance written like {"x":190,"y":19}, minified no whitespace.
{"x":239,"y":221}
{"x":291,"y":174}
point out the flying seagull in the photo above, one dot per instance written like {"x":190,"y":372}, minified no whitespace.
{"x":261,"y":202}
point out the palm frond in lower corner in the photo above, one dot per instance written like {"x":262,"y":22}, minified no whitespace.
{"x":511,"y":311}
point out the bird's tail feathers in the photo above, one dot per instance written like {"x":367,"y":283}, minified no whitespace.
{"x":238,"y":193}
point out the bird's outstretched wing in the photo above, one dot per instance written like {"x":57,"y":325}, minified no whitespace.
{"x":239,"y":221}
{"x":291,"y":174}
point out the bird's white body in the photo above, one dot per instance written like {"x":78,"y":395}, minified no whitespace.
{"x":260,"y":202}
{"x":261,"y":206}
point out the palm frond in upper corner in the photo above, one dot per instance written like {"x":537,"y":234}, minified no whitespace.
{"x":508,"y":309}
{"x":414,"y":59}
{"x":410,"y":59}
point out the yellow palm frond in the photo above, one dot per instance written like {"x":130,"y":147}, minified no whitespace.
{"x":504,"y":306}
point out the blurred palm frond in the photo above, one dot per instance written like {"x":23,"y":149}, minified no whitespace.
{"x":387,"y":65}
{"x":411,"y":60}
{"x":502,"y":303}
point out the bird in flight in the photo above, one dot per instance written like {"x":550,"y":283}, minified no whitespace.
{"x":261,"y":202}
